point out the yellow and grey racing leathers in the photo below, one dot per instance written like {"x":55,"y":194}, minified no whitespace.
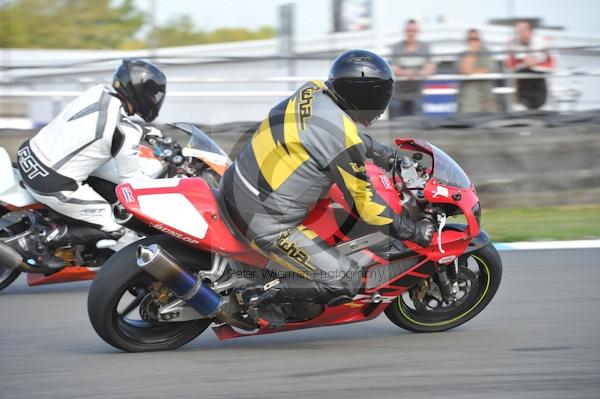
{"x":304,"y":146}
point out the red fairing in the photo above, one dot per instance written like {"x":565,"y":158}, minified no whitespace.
{"x":187,"y":210}
{"x":384,"y":187}
{"x":352,"y":312}
{"x":321,"y":218}
{"x":467,"y":199}
{"x":454,"y":243}
{"x":65,"y":275}
{"x":147,"y":152}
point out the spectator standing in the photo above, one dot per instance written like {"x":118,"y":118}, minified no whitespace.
{"x":411,"y":63}
{"x":475,"y":96}
{"x":529,"y":54}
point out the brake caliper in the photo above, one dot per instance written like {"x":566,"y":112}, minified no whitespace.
{"x":419,"y":291}
{"x":159,"y":296}
{"x":161,"y":293}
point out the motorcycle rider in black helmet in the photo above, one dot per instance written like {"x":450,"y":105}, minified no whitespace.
{"x":307,"y":143}
{"x":91,"y":130}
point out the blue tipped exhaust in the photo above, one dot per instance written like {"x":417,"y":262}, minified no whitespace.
{"x":161,"y":265}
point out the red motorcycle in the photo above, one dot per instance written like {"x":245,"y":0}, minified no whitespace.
{"x":30,"y":232}
{"x":164,"y":291}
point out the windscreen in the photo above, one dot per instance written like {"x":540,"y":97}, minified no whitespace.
{"x":447,"y":172}
{"x":200,"y":141}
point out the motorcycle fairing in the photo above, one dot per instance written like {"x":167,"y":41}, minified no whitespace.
{"x":64,"y":275}
{"x":352,"y":312}
{"x":187,"y":210}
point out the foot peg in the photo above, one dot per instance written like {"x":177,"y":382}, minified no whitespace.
{"x":255,"y":295}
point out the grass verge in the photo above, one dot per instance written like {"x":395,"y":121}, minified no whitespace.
{"x":542,"y":224}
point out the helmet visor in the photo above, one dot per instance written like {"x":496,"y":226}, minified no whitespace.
{"x":151,"y":97}
{"x":369,"y":97}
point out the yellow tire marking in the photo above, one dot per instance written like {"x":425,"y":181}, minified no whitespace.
{"x":443,"y":323}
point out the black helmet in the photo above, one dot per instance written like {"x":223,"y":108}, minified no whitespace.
{"x":143,"y":85}
{"x":362,"y":83}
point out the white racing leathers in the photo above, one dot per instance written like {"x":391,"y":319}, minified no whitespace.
{"x":87,"y":133}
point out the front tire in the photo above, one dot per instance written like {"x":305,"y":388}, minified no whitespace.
{"x":120,"y":276}
{"x":480,"y":275}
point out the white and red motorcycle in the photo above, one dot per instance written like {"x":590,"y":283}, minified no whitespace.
{"x":28,"y":228}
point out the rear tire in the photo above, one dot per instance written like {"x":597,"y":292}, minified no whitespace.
{"x":118,"y":276}
{"x":404,"y":313}
{"x":7,"y":277}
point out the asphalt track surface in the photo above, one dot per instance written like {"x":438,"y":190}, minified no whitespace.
{"x":539,"y":338}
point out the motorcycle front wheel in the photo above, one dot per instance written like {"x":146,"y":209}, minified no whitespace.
{"x":478,"y":277}
{"x":121,"y":305}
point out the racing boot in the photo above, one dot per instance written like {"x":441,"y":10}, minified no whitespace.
{"x":57,"y":237}
{"x":257,"y":297}
{"x":82,"y":234}
{"x":119,"y":239}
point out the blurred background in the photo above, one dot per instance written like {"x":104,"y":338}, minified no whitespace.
{"x":510,"y":88}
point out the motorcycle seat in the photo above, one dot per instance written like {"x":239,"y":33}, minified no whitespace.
{"x":226,"y":217}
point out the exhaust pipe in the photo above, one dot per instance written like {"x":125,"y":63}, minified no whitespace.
{"x":189,"y":288}
{"x":161,"y":265}
{"x":9,"y":257}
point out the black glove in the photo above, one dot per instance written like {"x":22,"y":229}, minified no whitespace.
{"x":381,"y":154}
{"x":420,"y":232}
{"x":423,"y":232}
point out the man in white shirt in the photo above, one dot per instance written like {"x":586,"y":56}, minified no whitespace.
{"x":530,"y":54}
{"x":411,"y":61}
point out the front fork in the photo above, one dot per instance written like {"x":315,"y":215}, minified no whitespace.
{"x":446,"y":277}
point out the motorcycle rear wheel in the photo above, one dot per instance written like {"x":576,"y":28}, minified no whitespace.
{"x":479,"y":279}
{"x":119,"y":277}
{"x":7,"y":276}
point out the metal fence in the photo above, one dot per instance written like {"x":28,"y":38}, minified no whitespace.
{"x":215,"y":83}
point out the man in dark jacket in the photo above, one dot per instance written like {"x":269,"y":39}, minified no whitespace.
{"x":307,"y":143}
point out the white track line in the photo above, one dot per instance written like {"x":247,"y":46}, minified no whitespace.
{"x":577,"y":244}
